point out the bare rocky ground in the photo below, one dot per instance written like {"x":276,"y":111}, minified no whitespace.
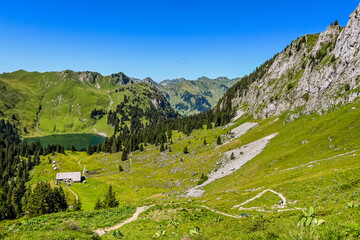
{"x":242,"y":155}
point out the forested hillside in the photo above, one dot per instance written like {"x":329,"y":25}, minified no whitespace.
{"x":76,"y":102}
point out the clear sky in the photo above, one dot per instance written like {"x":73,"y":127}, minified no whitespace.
{"x":159,"y":39}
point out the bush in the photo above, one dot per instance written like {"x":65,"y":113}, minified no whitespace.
{"x":290,"y":86}
{"x":347,"y":87}
{"x":186,"y":151}
{"x":218,"y":141}
{"x":203,"y":179}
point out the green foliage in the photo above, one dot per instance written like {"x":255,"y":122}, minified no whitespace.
{"x":195,"y":231}
{"x":290,"y":86}
{"x":43,"y":199}
{"x":159,"y":233}
{"x":118,"y":234}
{"x":99,"y":204}
{"x":218,"y":140}
{"x":306,"y":96}
{"x":186,"y":151}
{"x":120,"y":168}
{"x":308,"y":219}
{"x":110,"y":199}
{"x":347,"y":87}
{"x":77,"y":205}
{"x":162,"y":147}
{"x":204,"y":142}
{"x":141,"y":147}
{"x":202,"y":179}
{"x":124,"y":155}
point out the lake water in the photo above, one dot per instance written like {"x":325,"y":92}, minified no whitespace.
{"x":67,"y":140}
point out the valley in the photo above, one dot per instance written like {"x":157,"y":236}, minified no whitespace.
{"x":271,"y":155}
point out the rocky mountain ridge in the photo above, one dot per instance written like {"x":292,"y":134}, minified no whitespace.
{"x":314,"y":74}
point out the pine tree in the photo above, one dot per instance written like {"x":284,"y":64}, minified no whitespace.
{"x":232,"y":157}
{"x":205,"y":143}
{"x":120,"y":168}
{"x":110,"y":200}
{"x":169,"y":134}
{"x":186,"y":151}
{"x":218,"y":141}
{"x":124,"y":155}
{"x":162,"y":147}
{"x":141,"y":147}
{"x":89,"y":150}
{"x":77,"y":205}
{"x":99,"y":204}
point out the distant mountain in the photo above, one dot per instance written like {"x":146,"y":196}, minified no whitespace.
{"x":193,"y":96}
{"x":68,"y":101}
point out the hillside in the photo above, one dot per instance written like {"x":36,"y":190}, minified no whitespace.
{"x":287,"y":165}
{"x":63,"y":102}
{"x":315,"y":73}
{"x":190,"y":97}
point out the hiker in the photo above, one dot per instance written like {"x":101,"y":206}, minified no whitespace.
{"x":281,"y":202}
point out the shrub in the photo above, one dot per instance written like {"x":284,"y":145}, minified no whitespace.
{"x":347,"y":87}
{"x":203,"y":179}
{"x":186,"y":151}
{"x":290,"y":86}
{"x":218,"y":141}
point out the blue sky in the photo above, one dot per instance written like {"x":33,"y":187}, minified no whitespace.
{"x":159,"y":39}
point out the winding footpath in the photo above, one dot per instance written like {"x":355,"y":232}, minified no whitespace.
{"x":142,"y":209}
{"x":76,"y":196}
{"x":84,"y":169}
{"x":134,"y":217}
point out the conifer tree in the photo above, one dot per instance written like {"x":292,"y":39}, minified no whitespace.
{"x":77,"y":205}
{"x":186,"y":151}
{"x":162,"y":147}
{"x":110,"y":200}
{"x":218,"y":141}
{"x":141,"y":147}
{"x":124,"y":155}
{"x":99,"y":204}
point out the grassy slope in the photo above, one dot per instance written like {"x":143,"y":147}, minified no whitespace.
{"x":154,"y":177}
{"x":64,"y":99}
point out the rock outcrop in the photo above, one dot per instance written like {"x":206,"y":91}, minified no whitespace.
{"x":314,"y":74}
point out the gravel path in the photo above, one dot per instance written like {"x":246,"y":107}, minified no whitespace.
{"x":84,"y":170}
{"x":142,"y":209}
{"x":259,"y":195}
{"x":76,"y":196}
{"x":242,"y":156}
{"x":134,"y":217}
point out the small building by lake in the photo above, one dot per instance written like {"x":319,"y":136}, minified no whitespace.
{"x":68,"y":177}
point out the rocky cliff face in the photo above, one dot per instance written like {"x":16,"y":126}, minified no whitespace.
{"x":314,"y":74}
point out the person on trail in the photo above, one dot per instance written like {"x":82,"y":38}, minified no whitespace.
{"x":281,"y":202}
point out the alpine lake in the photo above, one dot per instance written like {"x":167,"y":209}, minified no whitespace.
{"x":79,"y":141}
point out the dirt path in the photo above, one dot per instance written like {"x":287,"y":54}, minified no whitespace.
{"x":259,"y":195}
{"x":76,"y":196}
{"x":110,"y":103}
{"x":134,"y":217}
{"x":142,"y":209}
{"x":84,"y":170}
{"x":281,"y":208}
{"x":321,"y":160}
